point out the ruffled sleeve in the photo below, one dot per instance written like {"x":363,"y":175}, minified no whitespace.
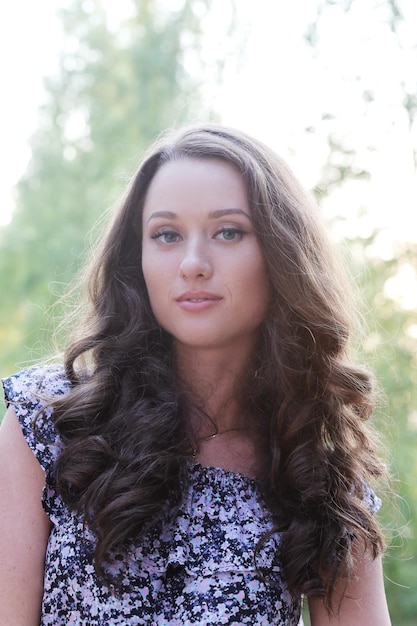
{"x":371,"y":500}
{"x":30,"y":392}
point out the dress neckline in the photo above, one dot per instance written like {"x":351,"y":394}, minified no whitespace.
{"x":220,"y":472}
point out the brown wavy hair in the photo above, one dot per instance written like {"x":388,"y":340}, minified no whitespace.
{"x":123,"y":423}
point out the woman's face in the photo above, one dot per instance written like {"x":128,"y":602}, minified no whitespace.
{"x":203,"y":267}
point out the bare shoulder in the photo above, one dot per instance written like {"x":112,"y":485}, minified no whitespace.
{"x":17,"y":462}
{"x":363,"y":603}
{"x":24,"y":527}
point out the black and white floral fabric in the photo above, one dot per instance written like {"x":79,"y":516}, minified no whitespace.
{"x":195,"y":565}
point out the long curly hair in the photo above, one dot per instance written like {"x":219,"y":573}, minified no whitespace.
{"x":123,"y":424}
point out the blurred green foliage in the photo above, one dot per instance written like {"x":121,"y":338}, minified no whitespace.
{"x":390,"y":347}
{"x":115,"y":91}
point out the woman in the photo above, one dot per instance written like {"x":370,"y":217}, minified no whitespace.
{"x":203,"y":453}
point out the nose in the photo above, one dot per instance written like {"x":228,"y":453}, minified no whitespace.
{"x":196,"y":261}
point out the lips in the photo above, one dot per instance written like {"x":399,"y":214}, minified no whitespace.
{"x":197,"y":296}
{"x":197,"y":301}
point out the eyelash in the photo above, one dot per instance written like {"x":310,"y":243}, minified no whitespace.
{"x":238,"y":232}
{"x":161,"y":233}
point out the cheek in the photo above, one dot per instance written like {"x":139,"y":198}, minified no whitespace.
{"x":260,"y":284}
{"x":150,"y":274}
{"x":256,"y":272}
{"x":153,"y":286}
{"x":155,"y":300}
{"x":158,"y":283}
{"x":150,"y":267}
{"x":250,"y":279}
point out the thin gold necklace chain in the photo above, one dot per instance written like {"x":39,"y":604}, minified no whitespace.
{"x":222,"y":432}
{"x":194,"y":451}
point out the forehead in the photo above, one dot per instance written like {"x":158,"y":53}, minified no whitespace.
{"x":210,"y":183}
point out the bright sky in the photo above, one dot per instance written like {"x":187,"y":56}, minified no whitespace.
{"x":29,"y":45}
{"x":278,"y":91}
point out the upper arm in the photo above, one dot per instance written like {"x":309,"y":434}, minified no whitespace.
{"x":364,"y":602}
{"x":24,"y":528}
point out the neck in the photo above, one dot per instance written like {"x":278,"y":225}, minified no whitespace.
{"x":210,"y":378}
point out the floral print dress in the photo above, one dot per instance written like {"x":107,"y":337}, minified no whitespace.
{"x":195,"y":566}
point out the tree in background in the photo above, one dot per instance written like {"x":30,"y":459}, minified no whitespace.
{"x":115,"y":91}
{"x":117,"y":88}
{"x":392,"y":348}
{"x":385,"y":271}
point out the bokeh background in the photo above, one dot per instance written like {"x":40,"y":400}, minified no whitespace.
{"x":331,"y":85}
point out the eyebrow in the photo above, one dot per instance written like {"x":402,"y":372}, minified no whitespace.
{"x":212,"y":215}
